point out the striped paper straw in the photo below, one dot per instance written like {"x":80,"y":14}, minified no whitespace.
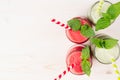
{"x":60,"y":24}
{"x":64,"y":72}
{"x":114,"y":65}
{"x":100,"y":4}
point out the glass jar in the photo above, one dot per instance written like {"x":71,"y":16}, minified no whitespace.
{"x":93,"y":15}
{"x":74,"y":58}
{"x":77,"y":36}
{"x":104,"y":55}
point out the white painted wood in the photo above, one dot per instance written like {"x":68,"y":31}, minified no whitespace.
{"x":33,"y":48}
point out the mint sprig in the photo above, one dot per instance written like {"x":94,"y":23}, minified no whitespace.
{"x":102,"y":23}
{"x":74,"y":24}
{"x":97,"y":42}
{"x":109,"y":43}
{"x":111,"y":14}
{"x":85,"y":53}
{"x":86,"y":30}
{"x":86,"y":65}
{"x":104,"y":43}
{"x":106,"y":16}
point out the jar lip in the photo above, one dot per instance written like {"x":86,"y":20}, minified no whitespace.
{"x":74,"y":46}
{"x":92,"y":8}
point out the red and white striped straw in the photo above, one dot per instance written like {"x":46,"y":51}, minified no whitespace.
{"x":60,"y":24}
{"x":64,"y":72}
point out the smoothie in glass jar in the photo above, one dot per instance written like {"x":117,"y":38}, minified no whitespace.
{"x":104,"y":55}
{"x":74,"y":57}
{"x":77,"y":36}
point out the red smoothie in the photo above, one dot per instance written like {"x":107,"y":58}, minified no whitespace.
{"x":76,"y":36}
{"x":74,"y":58}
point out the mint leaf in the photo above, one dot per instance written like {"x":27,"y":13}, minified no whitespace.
{"x":86,"y":67}
{"x":87,"y":31}
{"x":118,"y":4}
{"x":85,"y":63}
{"x":114,"y":10}
{"x":74,"y":24}
{"x":110,"y":43}
{"x":104,"y":43}
{"x":112,"y":13}
{"x":97,"y":42}
{"x":106,"y":15}
{"x":102,"y":23}
{"x":85,"y":53}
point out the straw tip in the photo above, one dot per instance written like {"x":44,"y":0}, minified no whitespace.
{"x":118,"y":78}
{"x":53,"y":20}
